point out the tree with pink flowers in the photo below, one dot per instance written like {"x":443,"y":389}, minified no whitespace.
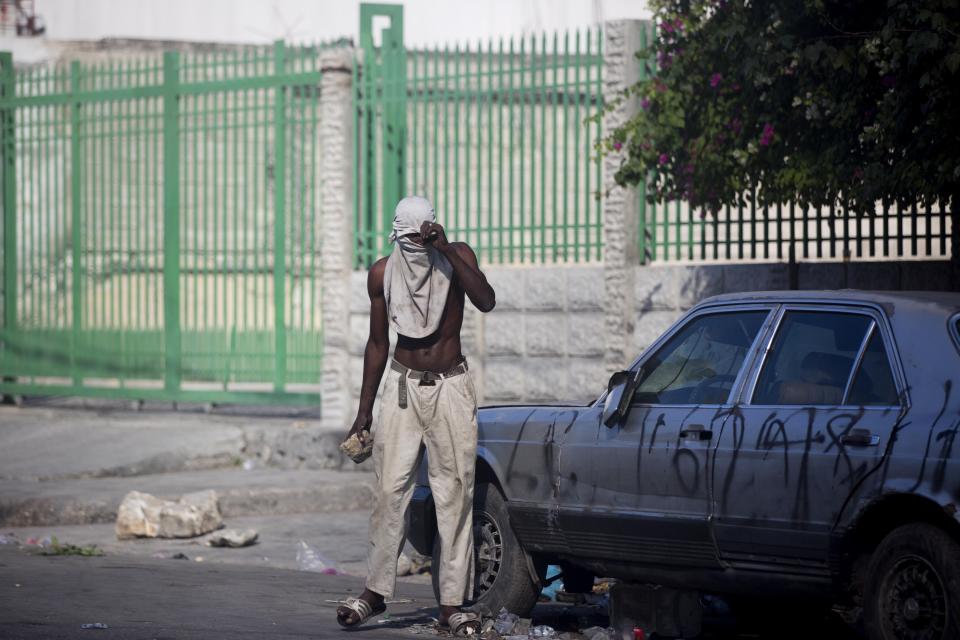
{"x":811,"y":101}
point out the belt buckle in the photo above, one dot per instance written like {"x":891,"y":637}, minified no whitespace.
{"x":428,"y":379}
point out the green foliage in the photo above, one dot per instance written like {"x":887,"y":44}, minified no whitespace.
{"x":57,"y":549}
{"x":817,"y":102}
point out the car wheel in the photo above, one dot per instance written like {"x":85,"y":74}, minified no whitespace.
{"x":912,"y":589}
{"x":501,"y":576}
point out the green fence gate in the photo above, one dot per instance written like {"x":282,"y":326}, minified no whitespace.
{"x":497,"y":135}
{"x":160,"y":227}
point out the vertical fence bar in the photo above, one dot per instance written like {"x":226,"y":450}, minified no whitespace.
{"x":544,"y":54}
{"x":279,"y":222}
{"x":597,"y":164}
{"x":171,"y":218}
{"x":76,"y":181}
{"x":8,"y":150}
{"x":510,"y":172}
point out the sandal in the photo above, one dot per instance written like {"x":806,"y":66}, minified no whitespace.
{"x":464,"y":623}
{"x":361,"y":608}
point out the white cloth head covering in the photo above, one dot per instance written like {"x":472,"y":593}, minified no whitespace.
{"x":416,"y":279}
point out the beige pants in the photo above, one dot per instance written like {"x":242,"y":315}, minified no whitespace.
{"x":442,"y":418}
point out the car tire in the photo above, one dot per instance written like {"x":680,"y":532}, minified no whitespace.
{"x":912,"y":588}
{"x":501,"y":574}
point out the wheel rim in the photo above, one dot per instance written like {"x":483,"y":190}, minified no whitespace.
{"x":488,"y":551}
{"x":914,"y":600}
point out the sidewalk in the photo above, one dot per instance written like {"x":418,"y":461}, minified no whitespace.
{"x":62,"y":463}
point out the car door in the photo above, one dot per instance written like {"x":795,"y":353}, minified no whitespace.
{"x":814,"y":419}
{"x":639,"y":491}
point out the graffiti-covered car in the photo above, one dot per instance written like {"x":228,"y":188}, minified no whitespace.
{"x":768,"y":444}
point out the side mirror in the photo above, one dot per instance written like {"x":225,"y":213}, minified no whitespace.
{"x":619,"y":394}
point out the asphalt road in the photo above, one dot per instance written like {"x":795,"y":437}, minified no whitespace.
{"x":140,"y":597}
{"x":51,"y":597}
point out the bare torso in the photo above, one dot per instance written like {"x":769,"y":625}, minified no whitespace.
{"x":441,"y":350}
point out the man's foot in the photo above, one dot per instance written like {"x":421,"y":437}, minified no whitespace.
{"x":461,"y":623}
{"x":359,"y":610}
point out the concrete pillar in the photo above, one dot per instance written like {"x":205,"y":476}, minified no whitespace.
{"x":336,"y":216}
{"x":620,"y":205}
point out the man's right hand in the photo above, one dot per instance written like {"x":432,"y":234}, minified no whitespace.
{"x":361,"y":422}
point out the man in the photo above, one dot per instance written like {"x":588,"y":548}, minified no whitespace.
{"x":429,"y":403}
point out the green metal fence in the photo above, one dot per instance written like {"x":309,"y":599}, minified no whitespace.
{"x":160,"y":227}
{"x":495,"y":135}
{"x":672,"y":231}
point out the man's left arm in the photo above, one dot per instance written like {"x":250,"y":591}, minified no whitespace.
{"x":465,"y":266}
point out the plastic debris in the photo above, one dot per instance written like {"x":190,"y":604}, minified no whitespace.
{"x":179,"y":556}
{"x":45,"y":541}
{"x":550,"y":591}
{"x":249,"y":464}
{"x":505,"y":622}
{"x":8,"y":538}
{"x":309,"y":558}
{"x":94,"y":625}
{"x":543,"y":631}
{"x":599,"y":633}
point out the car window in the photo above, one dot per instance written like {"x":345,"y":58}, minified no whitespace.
{"x":873,"y":383}
{"x":811,"y":358}
{"x":700,"y":363}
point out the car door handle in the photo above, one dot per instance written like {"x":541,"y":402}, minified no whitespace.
{"x":860,"y":438}
{"x":696,"y":432}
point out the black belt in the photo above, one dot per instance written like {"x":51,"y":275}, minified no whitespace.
{"x":426,"y":378}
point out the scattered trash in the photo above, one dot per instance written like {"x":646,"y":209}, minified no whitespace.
{"x":542,"y":631}
{"x":198,"y":559}
{"x":94,"y":625}
{"x":599,"y":633}
{"x":17,"y":585}
{"x":505,"y":622}
{"x":424,"y":629}
{"x":550,"y":591}
{"x":179,"y":556}
{"x":249,"y":464}
{"x":45,"y":541}
{"x":310,"y":559}
{"x":638,"y":634}
{"x":233,"y":538}
{"x":8,"y":538}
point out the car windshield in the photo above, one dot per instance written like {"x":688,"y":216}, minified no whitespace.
{"x":700,"y":363}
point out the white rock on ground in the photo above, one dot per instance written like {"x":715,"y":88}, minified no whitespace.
{"x":142,"y":515}
{"x":404,"y":565}
{"x":232,"y":538}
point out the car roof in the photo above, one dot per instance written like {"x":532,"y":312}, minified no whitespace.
{"x":944,"y":302}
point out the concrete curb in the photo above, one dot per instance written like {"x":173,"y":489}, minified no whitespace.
{"x":240,"y":493}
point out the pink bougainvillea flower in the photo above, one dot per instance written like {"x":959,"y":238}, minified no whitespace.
{"x":766,"y":137}
{"x":618,"y":145}
{"x":645,"y":104}
{"x":715,"y":80}
{"x":664,"y":158}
